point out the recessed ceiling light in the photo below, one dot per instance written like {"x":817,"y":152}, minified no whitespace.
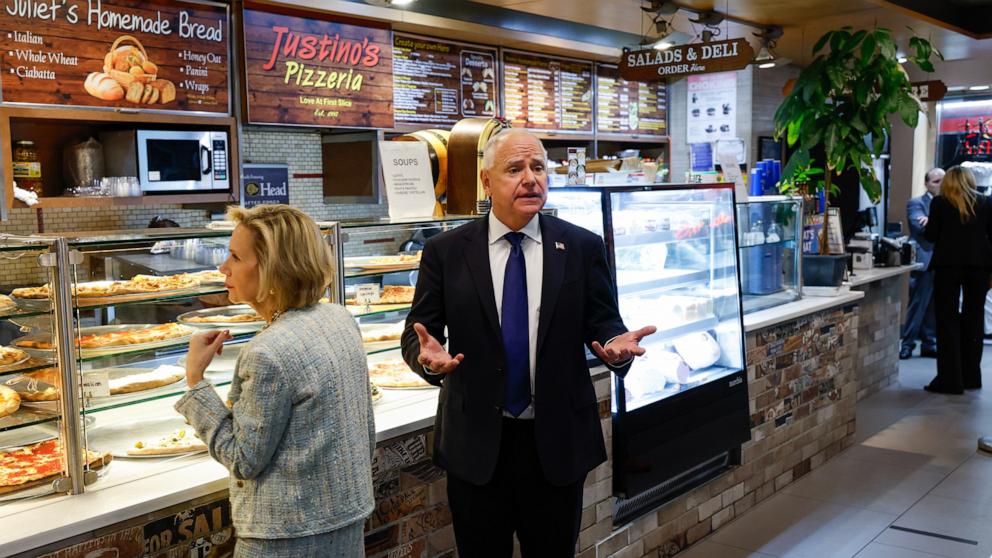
{"x":401,"y":2}
{"x":766,"y":65}
{"x":980,"y":88}
{"x":901,"y":59}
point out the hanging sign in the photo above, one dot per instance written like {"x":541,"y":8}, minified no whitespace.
{"x":926,"y":91}
{"x":116,"y":54}
{"x":685,"y":60}
{"x":312,"y":70}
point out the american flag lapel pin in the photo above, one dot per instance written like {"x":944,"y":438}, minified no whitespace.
{"x":559,"y":246}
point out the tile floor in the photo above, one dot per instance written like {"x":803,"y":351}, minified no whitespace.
{"x":913,"y":486}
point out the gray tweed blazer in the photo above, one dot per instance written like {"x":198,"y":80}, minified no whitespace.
{"x":299,"y":438}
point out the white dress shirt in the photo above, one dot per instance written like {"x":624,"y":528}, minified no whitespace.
{"x":499,"y":253}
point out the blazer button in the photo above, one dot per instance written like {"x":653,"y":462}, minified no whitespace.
{"x":241,"y":484}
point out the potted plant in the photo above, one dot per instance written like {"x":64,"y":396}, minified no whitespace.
{"x":841,"y":104}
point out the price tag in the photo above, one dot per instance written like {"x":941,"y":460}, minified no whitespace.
{"x":96,"y":384}
{"x":367,"y":293}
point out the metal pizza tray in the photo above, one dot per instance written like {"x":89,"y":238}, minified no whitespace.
{"x":235,"y":327}
{"x":104,"y":351}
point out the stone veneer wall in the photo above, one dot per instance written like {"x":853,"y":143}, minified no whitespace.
{"x":878,"y":334}
{"x":802,"y":391}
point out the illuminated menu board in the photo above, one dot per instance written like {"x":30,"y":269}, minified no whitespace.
{"x":546,"y":92}
{"x":629,"y":107}
{"x":440,"y":82}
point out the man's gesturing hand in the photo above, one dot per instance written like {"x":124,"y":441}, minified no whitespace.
{"x":433,"y":355}
{"x":623,"y":347}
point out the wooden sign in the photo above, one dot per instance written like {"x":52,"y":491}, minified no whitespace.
{"x":629,"y":107}
{"x":440,"y":82}
{"x":149,"y":55}
{"x":546,"y":92}
{"x":685,"y":60}
{"x":309,"y":70}
{"x":933,"y":90}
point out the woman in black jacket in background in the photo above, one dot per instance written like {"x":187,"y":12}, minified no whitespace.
{"x":960,"y":226}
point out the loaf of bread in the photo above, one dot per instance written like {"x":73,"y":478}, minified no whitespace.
{"x":104,"y":87}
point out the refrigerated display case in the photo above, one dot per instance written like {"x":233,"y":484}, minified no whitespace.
{"x":770,"y":230}
{"x":680,"y":414}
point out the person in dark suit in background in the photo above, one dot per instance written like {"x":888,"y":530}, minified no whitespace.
{"x":960,"y":226}
{"x":921,"y":323}
{"x":520,"y":293}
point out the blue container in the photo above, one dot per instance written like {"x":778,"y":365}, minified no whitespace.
{"x":755,"y":184}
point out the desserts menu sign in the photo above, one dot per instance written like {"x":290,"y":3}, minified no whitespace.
{"x":152,"y":54}
{"x":303,"y":69}
{"x":440,"y":82}
{"x":547,"y":93}
{"x":629,"y":107}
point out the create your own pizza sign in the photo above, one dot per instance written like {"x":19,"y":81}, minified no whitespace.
{"x":685,"y":60}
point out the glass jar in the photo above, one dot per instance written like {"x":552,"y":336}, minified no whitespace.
{"x":27,"y":168}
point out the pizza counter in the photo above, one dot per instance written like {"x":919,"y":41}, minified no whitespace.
{"x":133,"y":489}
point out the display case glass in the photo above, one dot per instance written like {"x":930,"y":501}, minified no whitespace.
{"x":769,"y":229}
{"x":137,"y":299}
{"x":673,"y":252}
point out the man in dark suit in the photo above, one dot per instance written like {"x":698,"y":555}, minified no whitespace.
{"x":518,"y":294}
{"x":920,"y":320}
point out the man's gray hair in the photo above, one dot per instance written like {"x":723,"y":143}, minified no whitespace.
{"x":494,"y":141}
{"x":926,"y":177}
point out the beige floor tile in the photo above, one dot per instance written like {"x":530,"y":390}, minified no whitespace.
{"x":915,"y":448}
{"x":878,"y":550}
{"x":971,"y":481}
{"x":790,"y":526}
{"x":950,"y":517}
{"x":880,"y":487}
{"x":709,"y":549}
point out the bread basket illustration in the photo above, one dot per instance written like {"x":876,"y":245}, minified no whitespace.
{"x":129,"y":63}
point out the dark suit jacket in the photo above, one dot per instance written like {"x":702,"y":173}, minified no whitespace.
{"x":916,"y":208}
{"x":578,"y":305}
{"x":958,"y":244}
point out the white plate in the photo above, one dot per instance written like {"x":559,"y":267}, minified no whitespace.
{"x":116,"y":438}
{"x":86,"y":353}
{"x":117,"y":373}
{"x":222,"y":363}
{"x":235,"y":327}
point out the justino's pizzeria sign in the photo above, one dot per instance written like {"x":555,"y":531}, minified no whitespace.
{"x":685,"y":60}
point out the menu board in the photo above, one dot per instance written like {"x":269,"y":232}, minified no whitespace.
{"x":440,"y":82}
{"x":310,"y":70}
{"x":149,"y":54}
{"x":547,"y":93}
{"x":629,"y":107}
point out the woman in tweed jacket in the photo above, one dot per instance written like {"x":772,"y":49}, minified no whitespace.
{"x":299,"y":435}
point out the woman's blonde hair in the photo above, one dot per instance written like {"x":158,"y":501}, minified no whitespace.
{"x":294,"y":262}
{"x":958,"y":187}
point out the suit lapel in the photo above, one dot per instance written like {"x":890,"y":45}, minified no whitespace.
{"x":926,"y":204}
{"x":555,"y":254}
{"x":477,"y":257}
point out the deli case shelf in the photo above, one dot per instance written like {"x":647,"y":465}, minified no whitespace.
{"x":680,"y":414}
{"x":770,"y":233}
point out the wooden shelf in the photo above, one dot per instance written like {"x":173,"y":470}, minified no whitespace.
{"x":84,"y":201}
{"x":52,"y":127}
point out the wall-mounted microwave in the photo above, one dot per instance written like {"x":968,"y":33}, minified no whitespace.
{"x":169,"y":160}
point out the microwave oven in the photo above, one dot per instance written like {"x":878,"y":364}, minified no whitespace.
{"x":169,"y":160}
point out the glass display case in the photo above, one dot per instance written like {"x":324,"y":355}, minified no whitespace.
{"x":118,"y":337}
{"x":682,"y":407}
{"x":769,"y":229}
{"x":380,"y":260}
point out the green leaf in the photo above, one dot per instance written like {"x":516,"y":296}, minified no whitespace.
{"x":858,"y":123}
{"x":794,"y":128}
{"x":798,"y":160}
{"x":854,"y":40}
{"x":822,"y":42}
{"x":909,"y":111}
{"x":878,"y":143}
{"x":839,"y":39}
{"x":867,"y":49}
{"x":925,"y":65}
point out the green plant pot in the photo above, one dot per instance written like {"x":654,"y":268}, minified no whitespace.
{"x":825,"y":270}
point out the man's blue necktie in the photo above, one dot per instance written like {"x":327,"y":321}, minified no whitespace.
{"x":516,"y":333}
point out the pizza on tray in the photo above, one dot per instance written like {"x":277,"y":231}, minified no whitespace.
{"x":10,"y":356}
{"x":162,"y":376}
{"x":179,"y":441}
{"x":34,"y":464}
{"x":395,"y":374}
{"x":10,"y":401}
{"x":155,"y":284}
{"x":41,"y":385}
{"x":391,"y":294}
{"x":6,"y":303}
{"x":139,"y":284}
{"x":225,"y":318}
{"x":207,"y":276}
{"x":152,"y":334}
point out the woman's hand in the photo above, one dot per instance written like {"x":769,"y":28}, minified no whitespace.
{"x":202,"y":348}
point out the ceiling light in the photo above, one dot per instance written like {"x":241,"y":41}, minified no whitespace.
{"x":401,"y":2}
{"x":901,"y":59}
{"x":766,"y":65}
{"x":979,"y":88}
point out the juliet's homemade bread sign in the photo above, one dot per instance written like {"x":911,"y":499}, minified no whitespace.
{"x":158,"y":54}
